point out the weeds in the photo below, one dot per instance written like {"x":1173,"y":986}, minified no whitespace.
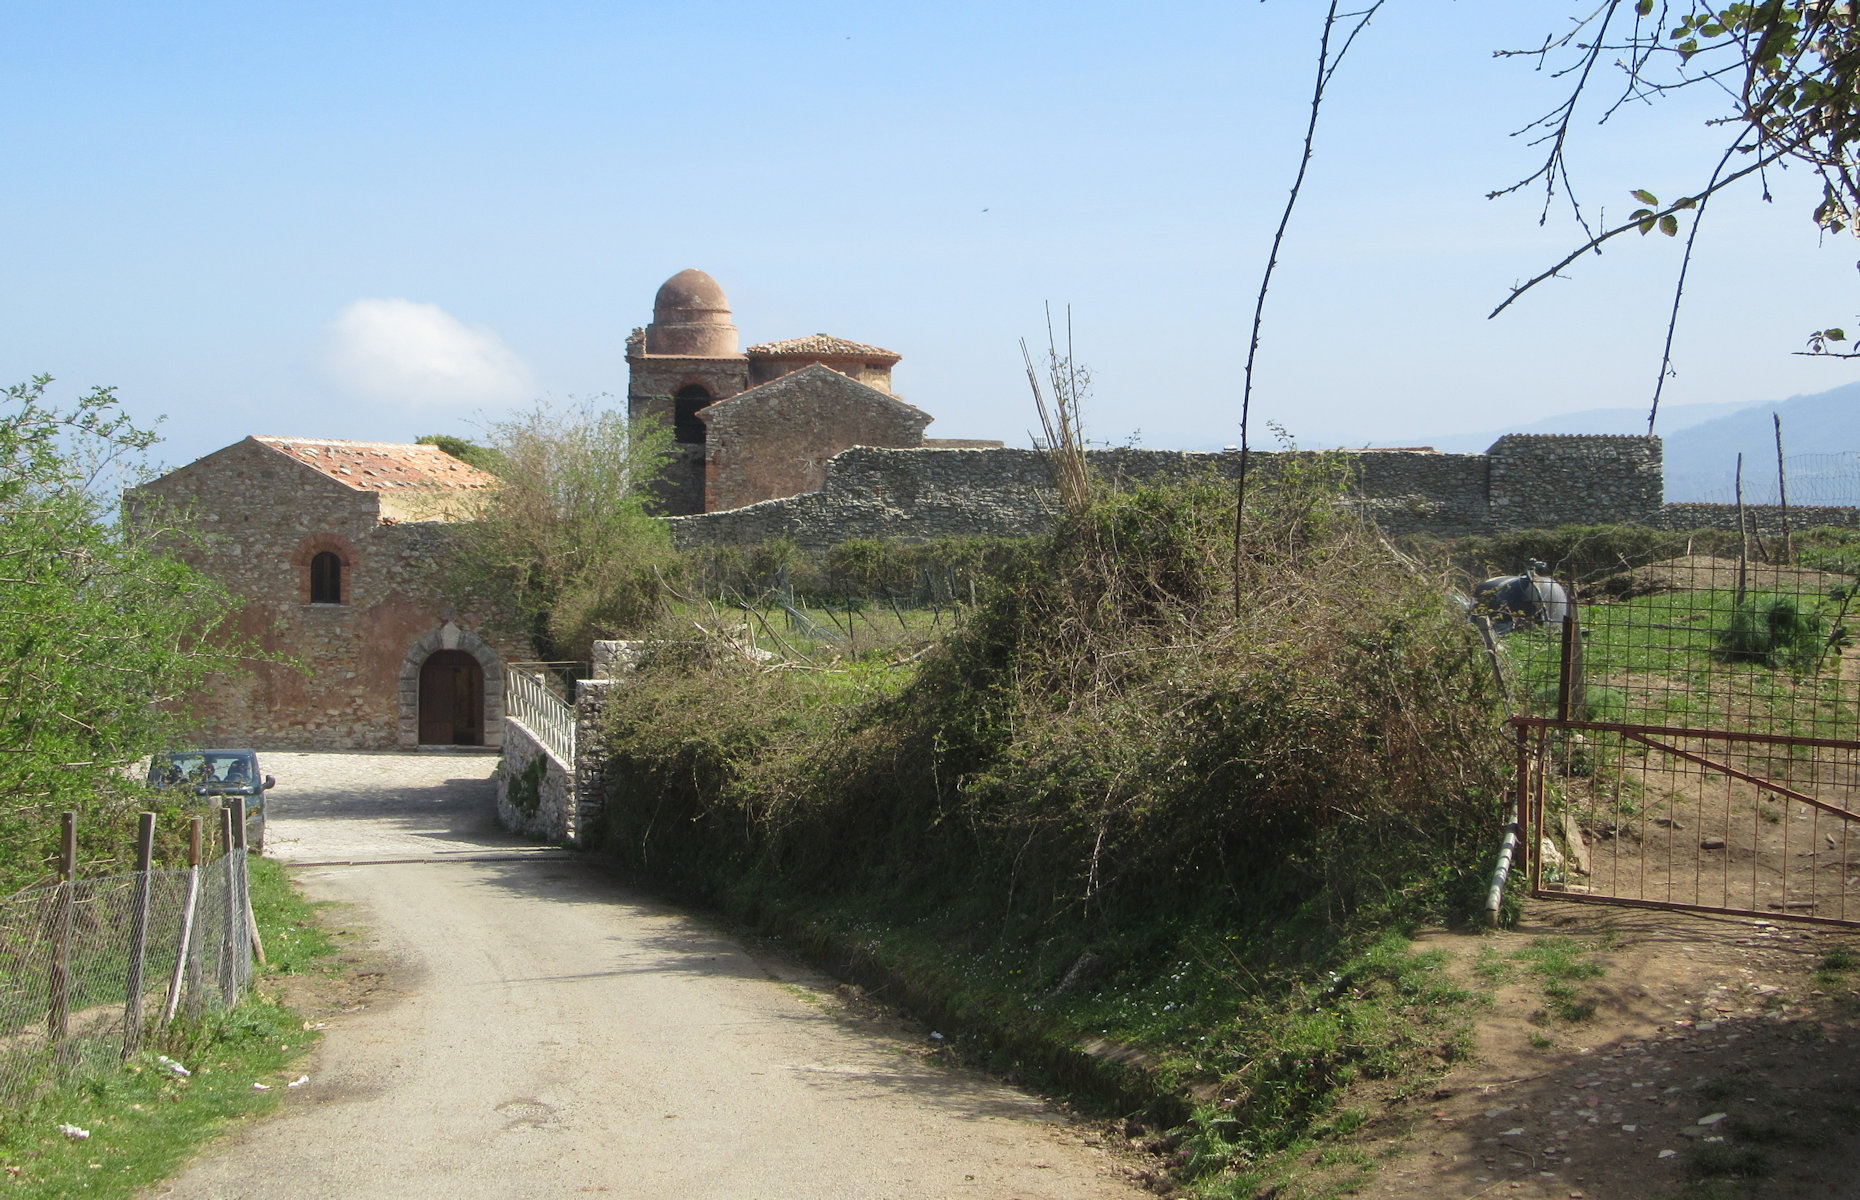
{"x":1726,"y":1160}
{"x":144,"y":1120}
{"x":1778,"y":633}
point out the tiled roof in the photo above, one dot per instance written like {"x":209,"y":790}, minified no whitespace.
{"x":823,"y":344}
{"x":814,"y":377}
{"x":381,"y":466}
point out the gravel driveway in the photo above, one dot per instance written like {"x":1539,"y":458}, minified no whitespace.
{"x":549,"y":1033}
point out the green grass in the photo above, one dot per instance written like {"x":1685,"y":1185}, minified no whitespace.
{"x":1493,"y":967}
{"x":1832,"y":970}
{"x":1559,"y":964}
{"x":1692,"y":658}
{"x":1726,"y":1160}
{"x":144,"y":1122}
{"x":836,"y":633}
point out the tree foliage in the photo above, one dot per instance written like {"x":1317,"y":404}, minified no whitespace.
{"x":567,"y":542}
{"x":461,"y":449}
{"x":1787,"y":73}
{"x":102,"y":636}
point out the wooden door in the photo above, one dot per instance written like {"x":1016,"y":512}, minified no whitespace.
{"x":451,"y":700}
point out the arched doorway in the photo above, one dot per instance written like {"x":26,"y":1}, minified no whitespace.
{"x":451,"y":699}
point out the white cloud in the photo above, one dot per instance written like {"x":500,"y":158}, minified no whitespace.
{"x":420,"y":354}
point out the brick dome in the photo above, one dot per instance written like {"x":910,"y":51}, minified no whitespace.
{"x":691,"y":318}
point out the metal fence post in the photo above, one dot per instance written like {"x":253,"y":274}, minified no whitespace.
{"x":1566,"y":668}
{"x":59,"y":1019}
{"x":185,"y":952}
{"x":139,"y":934}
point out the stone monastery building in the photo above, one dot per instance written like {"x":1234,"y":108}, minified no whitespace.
{"x":334,"y":547}
{"x":759,"y":424}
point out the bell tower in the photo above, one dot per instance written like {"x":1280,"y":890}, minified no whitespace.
{"x":685,"y":361}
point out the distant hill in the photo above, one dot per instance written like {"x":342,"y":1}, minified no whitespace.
{"x":1821,"y":440}
{"x":1593,"y":420}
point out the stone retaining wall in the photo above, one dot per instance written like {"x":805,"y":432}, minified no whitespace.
{"x":536,"y":794}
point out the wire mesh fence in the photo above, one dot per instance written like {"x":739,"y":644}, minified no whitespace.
{"x":776,"y":621}
{"x":1699,"y":640}
{"x":1829,"y":479}
{"x":1689,"y":725}
{"x":93,"y":969}
{"x":1716,"y":822}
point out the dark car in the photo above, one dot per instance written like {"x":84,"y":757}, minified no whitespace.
{"x":216,"y":773}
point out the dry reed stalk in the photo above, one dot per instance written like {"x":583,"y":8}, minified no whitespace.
{"x":1063,"y":439}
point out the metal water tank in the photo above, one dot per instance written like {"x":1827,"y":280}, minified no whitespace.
{"x":1521,"y":601}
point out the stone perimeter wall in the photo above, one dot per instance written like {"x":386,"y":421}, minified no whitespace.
{"x":918,"y":494}
{"x":1765,"y":519}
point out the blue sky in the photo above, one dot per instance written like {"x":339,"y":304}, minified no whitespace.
{"x":375,"y":221}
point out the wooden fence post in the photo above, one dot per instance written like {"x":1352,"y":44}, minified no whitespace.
{"x":233,"y":934}
{"x":245,"y":885}
{"x":59,"y":1019}
{"x":1743,"y":534}
{"x":1782,"y":491}
{"x":185,"y":951}
{"x":139,"y":934}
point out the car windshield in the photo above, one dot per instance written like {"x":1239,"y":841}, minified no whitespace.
{"x":202,"y":769}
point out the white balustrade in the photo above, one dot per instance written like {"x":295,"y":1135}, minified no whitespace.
{"x":543,"y":713}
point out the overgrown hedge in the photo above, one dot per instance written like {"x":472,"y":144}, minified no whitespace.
{"x":1109,"y":773}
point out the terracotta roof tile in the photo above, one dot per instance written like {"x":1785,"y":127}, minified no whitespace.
{"x":823,"y":344}
{"x":382,"y":466}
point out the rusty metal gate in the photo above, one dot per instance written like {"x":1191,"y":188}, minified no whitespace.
{"x":1688,"y":737}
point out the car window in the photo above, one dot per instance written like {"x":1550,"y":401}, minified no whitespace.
{"x":203,"y":769}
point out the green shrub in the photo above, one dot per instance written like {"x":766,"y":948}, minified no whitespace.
{"x":1776,"y":632}
{"x":1225,"y":806}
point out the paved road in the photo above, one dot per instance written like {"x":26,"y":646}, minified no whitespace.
{"x":552,"y":1034}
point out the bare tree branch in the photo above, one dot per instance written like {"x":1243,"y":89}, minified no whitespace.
{"x":1327,"y":65}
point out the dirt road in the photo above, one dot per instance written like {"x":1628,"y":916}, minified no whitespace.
{"x":544,"y":1032}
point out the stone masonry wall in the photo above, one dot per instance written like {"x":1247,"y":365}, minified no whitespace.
{"x":340,"y":676}
{"x":776,"y":440}
{"x":1765,"y":519}
{"x":535,"y":789}
{"x":1540,"y":480}
{"x":918,"y":494}
{"x":653,"y":380}
{"x":590,"y":758}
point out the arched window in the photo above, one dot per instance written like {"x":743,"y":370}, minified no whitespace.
{"x":326,"y":578}
{"x":686,"y":427}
